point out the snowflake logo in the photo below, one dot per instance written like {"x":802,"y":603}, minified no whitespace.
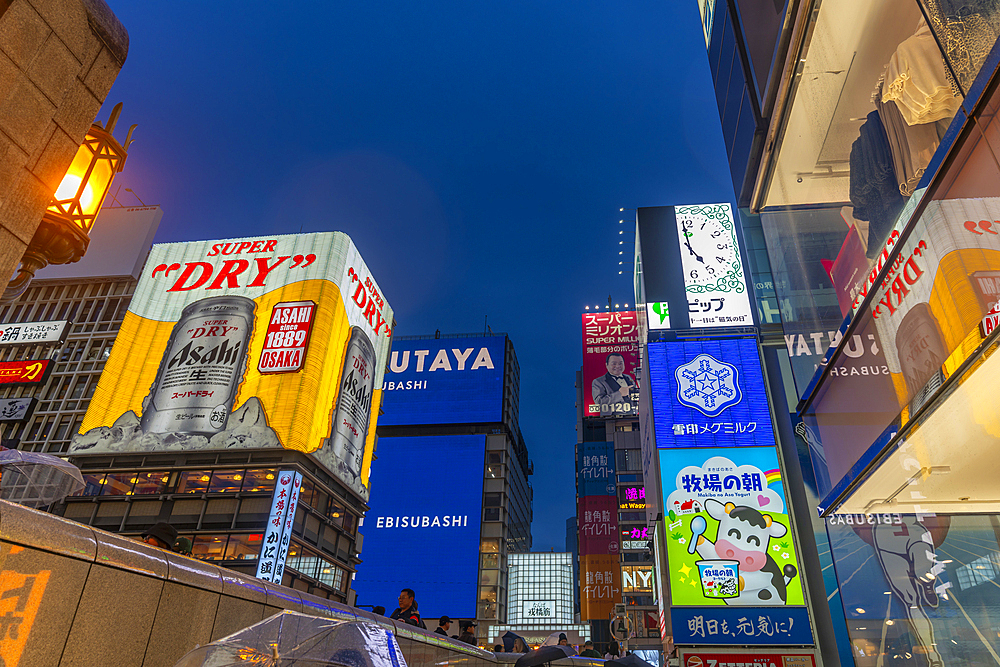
{"x":708,"y":385}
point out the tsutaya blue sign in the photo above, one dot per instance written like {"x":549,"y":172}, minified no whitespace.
{"x":709,"y":393}
{"x":747,"y":626}
{"x":444,"y":381}
{"x":596,"y":469}
{"x":422,"y":531}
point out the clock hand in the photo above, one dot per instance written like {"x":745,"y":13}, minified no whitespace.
{"x":687,"y":242}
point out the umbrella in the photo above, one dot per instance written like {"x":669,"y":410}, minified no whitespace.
{"x":34,"y":479}
{"x":553,"y":640}
{"x":544,"y":654}
{"x":631,"y":660}
{"x":509,"y":640}
{"x":290,"y":638}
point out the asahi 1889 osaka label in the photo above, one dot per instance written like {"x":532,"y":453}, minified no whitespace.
{"x":287,"y":336}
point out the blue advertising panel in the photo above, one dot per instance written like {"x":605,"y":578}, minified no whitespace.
{"x":596,"y":469}
{"x":709,"y":393}
{"x":745,"y":626}
{"x":422,"y":531}
{"x":444,"y":381}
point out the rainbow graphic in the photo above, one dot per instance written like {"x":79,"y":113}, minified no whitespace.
{"x":772,"y":476}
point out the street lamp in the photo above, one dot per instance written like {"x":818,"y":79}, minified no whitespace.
{"x":63,"y":235}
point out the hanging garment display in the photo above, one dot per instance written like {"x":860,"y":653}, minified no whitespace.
{"x":874,"y":188}
{"x":912,"y":146}
{"x":915,"y":79}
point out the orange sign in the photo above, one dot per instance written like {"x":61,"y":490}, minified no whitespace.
{"x":20,"y":596}
{"x":25,"y":372}
{"x":600,"y":586}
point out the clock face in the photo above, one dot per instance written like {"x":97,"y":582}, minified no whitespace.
{"x":710,"y":262}
{"x":709,"y":251}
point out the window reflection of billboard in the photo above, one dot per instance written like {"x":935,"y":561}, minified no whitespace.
{"x":610,"y":362}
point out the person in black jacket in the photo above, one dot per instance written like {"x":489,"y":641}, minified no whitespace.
{"x":443,"y":625}
{"x":407,"y":610}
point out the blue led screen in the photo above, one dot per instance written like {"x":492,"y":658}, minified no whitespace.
{"x":596,"y":469}
{"x":709,"y":393}
{"x":444,"y":381}
{"x":422,"y":531}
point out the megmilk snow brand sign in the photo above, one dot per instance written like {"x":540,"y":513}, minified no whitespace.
{"x":708,"y":393}
{"x":22,"y":333}
{"x":444,"y":381}
{"x":249,"y":343}
{"x":610,"y":363}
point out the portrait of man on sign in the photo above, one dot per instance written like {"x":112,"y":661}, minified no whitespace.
{"x":615,"y":386}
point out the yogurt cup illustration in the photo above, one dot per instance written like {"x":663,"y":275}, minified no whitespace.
{"x":719,"y":578}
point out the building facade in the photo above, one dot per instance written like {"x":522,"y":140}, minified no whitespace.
{"x":615,"y":563}
{"x":876,"y":206}
{"x":453,"y":461}
{"x":220,"y":500}
{"x":540,"y":599}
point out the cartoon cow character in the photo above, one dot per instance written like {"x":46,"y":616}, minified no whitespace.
{"x":743,"y":536}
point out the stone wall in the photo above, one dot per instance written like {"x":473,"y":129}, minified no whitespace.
{"x":58,"y":59}
{"x":72,"y":595}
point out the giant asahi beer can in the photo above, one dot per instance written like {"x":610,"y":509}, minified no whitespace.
{"x":354,"y":404}
{"x":201,"y":369}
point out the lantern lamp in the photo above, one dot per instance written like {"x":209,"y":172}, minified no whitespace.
{"x":63,"y":235}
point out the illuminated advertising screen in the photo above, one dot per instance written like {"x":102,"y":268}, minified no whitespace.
{"x":600,"y":586}
{"x":248,"y":343}
{"x":714,"y":276}
{"x":610,"y":361}
{"x":444,"y":381}
{"x":729,"y":541}
{"x":597,"y":517}
{"x":596,"y":469}
{"x":26,"y":371}
{"x":709,"y":393}
{"x":423,"y":532}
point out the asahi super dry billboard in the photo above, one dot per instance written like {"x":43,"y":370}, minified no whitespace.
{"x":248,"y":343}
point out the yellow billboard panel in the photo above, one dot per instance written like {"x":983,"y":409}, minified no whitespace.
{"x":248,"y":343}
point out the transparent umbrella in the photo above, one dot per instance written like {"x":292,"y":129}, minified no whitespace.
{"x":290,"y":639}
{"x":34,"y":479}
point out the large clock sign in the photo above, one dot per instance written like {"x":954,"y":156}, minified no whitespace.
{"x":714,"y":279}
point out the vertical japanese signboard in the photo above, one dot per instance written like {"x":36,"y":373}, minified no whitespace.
{"x":597,"y":525}
{"x":274,"y":548}
{"x":610,"y":363}
{"x":249,"y":343}
{"x":596,"y":469}
{"x":600,"y":586}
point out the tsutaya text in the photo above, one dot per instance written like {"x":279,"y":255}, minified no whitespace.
{"x":436,"y":521}
{"x":442,"y":360}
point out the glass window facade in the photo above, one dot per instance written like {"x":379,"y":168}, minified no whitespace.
{"x":544,"y":578}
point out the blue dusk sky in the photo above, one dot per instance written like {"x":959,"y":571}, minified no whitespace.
{"x":477,"y":153}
